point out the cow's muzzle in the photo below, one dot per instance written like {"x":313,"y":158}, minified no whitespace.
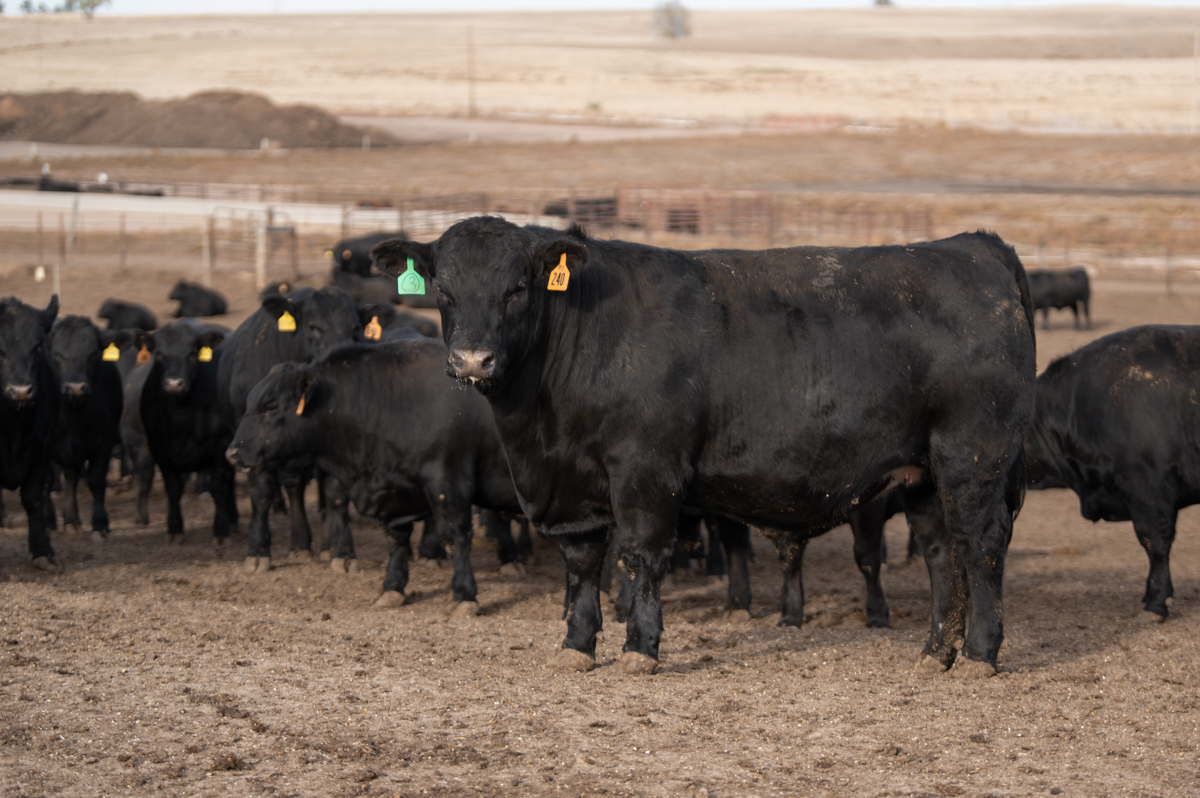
{"x":470,"y":365}
{"x":19,"y":393}
{"x":174,"y":384}
{"x":74,"y":389}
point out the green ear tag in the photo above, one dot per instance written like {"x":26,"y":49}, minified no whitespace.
{"x":410,"y":282}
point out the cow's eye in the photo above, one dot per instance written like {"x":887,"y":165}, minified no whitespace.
{"x":519,"y":290}
{"x":272,"y":407}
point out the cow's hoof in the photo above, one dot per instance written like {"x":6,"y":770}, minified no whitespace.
{"x":73,"y":529}
{"x":100,"y":537}
{"x":220,"y":543}
{"x":391,"y":598}
{"x":713,"y":580}
{"x":47,"y":564}
{"x":175,"y":540}
{"x":257,"y":565}
{"x":338,"y":565}
{"x":790,"y":620}
{"x":928,"y":664}
{"x":300,"y":555}
{"x":878,"y":623}
{"x":972,"y":669}
{"x":351,"y":566}
{"x":513,"y":569}
{"x":465,"y":609}
{"x":637,"y":664}
{"x":736,"y":616}
{"x":569,"y":659}
{"x":1148,"y":617}
{"x":325,"y":556}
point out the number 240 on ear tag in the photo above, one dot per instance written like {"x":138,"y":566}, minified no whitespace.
{"x":560,"y":276}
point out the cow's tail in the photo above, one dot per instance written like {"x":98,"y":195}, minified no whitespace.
{"x":1008,"y":256}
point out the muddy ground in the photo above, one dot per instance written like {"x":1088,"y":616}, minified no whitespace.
{"x":148,"y":669}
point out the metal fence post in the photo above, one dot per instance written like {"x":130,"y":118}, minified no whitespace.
{"x":260,"y":253}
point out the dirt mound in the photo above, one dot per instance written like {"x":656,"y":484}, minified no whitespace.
{"x":224,"y":120}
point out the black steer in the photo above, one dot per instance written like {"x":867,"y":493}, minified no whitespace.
{"x":89,"y":413}
{"x":1117,"y":422}
{"x":122,"y":315}
{"x":779,"y":388}
{"x":196,"y":301}
{"x":353,"y":255}
{"x":1060,"y":288}
{"x":318,"y":320}
{"x":28,"y":408}
{"x":185,"y":429}
{"x":404,"y":441}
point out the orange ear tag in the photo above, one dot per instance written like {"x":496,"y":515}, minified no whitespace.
{"x":111,"y":354}
{"x":143,"y":355}
{"x":560,"y":276}
{"x":287,"y":322}
{"x":373,"y":331}
{"x":300,"y":407}
{"x":205,"y":355}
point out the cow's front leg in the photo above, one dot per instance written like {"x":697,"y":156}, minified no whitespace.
{"x":645,"y":540}
{"x":583,"y":555}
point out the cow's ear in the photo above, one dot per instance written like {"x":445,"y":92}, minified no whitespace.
{"x":121,"y":339}
{"x":211,"y":338}
{"x":49,"y":314}
{"x":391,"y":257}
{"x":277,"y":305}
{"x":550,"y":255}
{"x":145,"y":340}
{"x":305,"y":386}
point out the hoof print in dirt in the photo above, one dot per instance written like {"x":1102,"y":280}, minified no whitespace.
{"x":972,"y":669}
{"x":391,"y":598}
{"x":569,"y":659}
{"x":512,"y":569}
{"x":1147,"y":617}
{"x":257,"y":565}
{"x":736,"y":617}
{"x":465,"y":609}
{"x":636,"y":664}
{"x":47,"y":564}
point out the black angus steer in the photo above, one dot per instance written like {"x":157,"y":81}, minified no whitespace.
{"x":196,"y":301}
{"x":185,"y":430}
{"x":780,"y":388}
{"x":89,"y":413}
{"x":28,"y":407}
{"x":1058,"y":289}
{"x":317,"y":321}
{"x":1117,"y":421}
{"x":404,"y":441}
{"x":122,"y":315}
{"x":353,"y":255}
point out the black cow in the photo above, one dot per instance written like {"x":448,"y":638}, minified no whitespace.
{"x":316,"y":321}
{"x":1117,"y":422}
{"x":89,"y":414}
{"x":196,"y":301}
{"x":28,"y":408}
{"x":389,"y":318}
{"x":353,"y":255}
{"x":779,"y":388}
{"x":403,"y":440}
{"x":138,"y":460}
{"x":185,"y":429}
{"x":122,"y":315}
{"x":367,"y":290}
{"x":1060,"y":288}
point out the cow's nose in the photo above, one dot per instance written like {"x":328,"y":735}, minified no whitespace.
{"x":19,"y":393}
{"x":173,"y":384}
{"x":231,"y":454}
{"x":472,"y":363}
{"x":74,"y":388}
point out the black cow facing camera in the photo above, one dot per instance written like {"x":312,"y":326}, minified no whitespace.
{"x":29,"y":402}
{"x":196,"y":301}
{"x":779,"y":388}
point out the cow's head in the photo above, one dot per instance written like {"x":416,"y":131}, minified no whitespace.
{"x":324,"y":320}
{"x":76,"y":348}
{"x":180,"y":290}
{"x":491,"y":281}
{"x":278,"y":425}
{"x":178,"y":352}
{"x":22,"y":347}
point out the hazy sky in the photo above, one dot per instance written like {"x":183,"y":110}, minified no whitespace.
{"x":311,"y":6}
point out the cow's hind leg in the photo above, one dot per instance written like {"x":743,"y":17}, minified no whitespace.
{"x":1154,"y":524}
{"x":791,"y":555}
{"x":583,"y":555}
{"x":735,"y":540}
{"x":866,"y":524}
{"x":263,"y":490}
{"x":644,"y":539}
{"x":174,"y":481}
{"x":947,"y":583}
{"x":339,"y":541}
{"x":70,"y":508}
{"x":399,"y":550}
{"x":97,"y":480}
{"x":294,"y":482}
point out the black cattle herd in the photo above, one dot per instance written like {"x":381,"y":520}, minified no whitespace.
{"x":612,"y":395}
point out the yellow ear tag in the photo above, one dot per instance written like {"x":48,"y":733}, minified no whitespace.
{"x":300,"y":407}
{"x":560,"y":276}
{"x":111,"y":354}
{"x":287,"y":322}
{"x":205,"y":355}
{"x":143,"y":355}
{"x":374,"y":330}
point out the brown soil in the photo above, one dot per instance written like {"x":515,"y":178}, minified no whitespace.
{"x":147,"y":669}
{"x":215,"y":119}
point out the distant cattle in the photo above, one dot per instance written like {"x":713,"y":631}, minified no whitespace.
{"x":196,"y":301}
{"x":389,"y":318}
{"x":353,"y":255}
{"x":1118,"y":422}
{"x":1060,"y":288}
{"x":122,"y":315}
{"x":405,"y":442}
{"x":367,"y":290}
{"x":277,"y":287}
{"x":185,"y":431}
{"x":298,"y":327}
{"x":780,"y":388}
{"x":28,"y":408}
{"x":89,"y":415}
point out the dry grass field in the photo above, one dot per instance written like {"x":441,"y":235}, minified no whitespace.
{"x":148,"y":670}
